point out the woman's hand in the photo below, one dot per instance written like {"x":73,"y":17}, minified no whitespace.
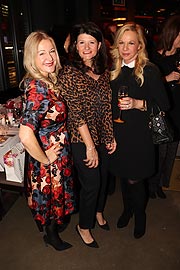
{"x":91,"y":152}
{"x":111,"y":147}
{"x":91,"y":160}
{"x":173,"y":76}
{"x":53,"y":152}
{"x":128,"y":103}
{"x":32,"y":146}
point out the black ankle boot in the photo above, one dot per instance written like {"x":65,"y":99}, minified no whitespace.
{"x":140,"y":225}
{"x":124,"y":219}
{"x":66,"y":221}
{"x":52,"y":237}
{"x":160,"y":193}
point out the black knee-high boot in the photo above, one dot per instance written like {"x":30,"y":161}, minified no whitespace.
{"x":128,"y":210}
{"x":139,"y":200}
{"x":52,"y":237}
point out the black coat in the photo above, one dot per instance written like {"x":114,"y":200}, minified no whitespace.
{"x":167,"y":64}
{"x":135,"y":157}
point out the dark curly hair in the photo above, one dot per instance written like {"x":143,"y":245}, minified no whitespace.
{"x":100,"y":60}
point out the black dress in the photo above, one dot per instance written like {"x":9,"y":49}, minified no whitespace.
{"x":135,"y":157}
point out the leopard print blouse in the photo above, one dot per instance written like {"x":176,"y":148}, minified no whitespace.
{"x":89,"y":102}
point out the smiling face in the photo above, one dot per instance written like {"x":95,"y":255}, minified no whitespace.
{"x":87,"y":47}
{"x":46,"y":57}
{"x":128,"y":46}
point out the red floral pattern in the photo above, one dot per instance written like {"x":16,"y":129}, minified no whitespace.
{"x":50,"y":189}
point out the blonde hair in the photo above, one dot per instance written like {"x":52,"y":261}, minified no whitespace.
{"x":30,"y":53}
{"x":141,"y":59}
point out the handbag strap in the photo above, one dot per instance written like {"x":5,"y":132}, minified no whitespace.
{"x":155,"y":107}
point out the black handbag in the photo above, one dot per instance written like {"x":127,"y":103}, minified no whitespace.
{"x":160,"y":127}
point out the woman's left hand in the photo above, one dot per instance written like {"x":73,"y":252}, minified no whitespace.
{"x":111,"y":147}
{"x":92,"y":160}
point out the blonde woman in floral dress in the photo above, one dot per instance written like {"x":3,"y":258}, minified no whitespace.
{"x":44,"y":135}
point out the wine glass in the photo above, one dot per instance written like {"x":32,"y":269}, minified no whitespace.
{"x":122,"y":92}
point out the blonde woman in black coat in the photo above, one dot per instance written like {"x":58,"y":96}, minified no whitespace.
{"x":134,"y":159}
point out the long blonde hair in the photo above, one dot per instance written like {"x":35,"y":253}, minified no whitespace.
{"x":141,"y":59}
{"x":30,"y":52}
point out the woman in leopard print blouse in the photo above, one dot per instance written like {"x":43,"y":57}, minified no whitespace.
{"x":86,"y":89}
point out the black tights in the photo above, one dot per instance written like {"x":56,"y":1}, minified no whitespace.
{"x":134,"y":195}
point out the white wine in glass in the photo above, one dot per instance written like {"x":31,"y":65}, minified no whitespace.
{"x":122,"y":92}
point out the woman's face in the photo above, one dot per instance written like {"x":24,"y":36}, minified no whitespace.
{"x":46,"y":57}
{"x":128,"y":46}
{"x":87,"y":47}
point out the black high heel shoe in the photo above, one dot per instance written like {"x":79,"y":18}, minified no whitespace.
{"x":104,"y":226}
{"x":93,"y":244}
{"x":58,"y":244}
{"x":52,"y":238}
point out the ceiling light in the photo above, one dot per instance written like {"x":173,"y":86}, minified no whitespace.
{"x":119,"y":19}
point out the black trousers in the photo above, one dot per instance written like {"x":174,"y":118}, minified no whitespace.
{"x":93,"y":191}
{"x":166,"y":156}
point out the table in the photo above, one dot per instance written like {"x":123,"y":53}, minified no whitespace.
{"x":5,"y":184}
{"x":12,"y":141}
{"x":5,"y":147}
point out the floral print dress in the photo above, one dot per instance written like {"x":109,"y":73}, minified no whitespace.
{"x":49,"y":188}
